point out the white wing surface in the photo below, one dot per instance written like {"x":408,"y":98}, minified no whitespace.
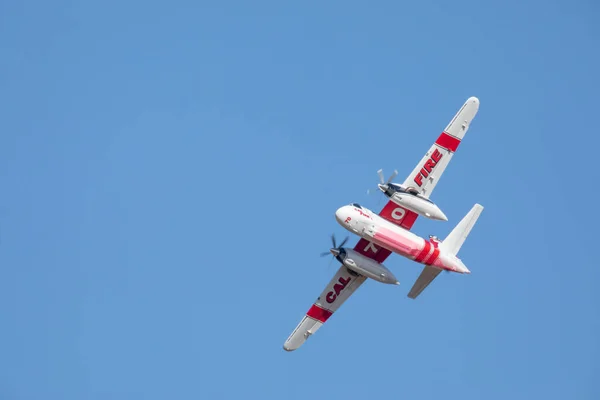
{"x":428,"y":171}
{"x":337,"y":291}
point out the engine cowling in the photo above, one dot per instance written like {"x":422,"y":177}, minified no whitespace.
{"x":419,"y":205}
{"x":368,"y":267}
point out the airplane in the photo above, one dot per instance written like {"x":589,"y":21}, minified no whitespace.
{"x":389,"y":231}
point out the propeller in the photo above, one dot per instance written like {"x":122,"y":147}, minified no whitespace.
{"x":335,"y":250}
{"x":384,"y":184}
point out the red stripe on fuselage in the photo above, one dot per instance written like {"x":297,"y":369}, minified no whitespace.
{"x":431,"y":259}
{"x":448,"y":142}
{"x":319,"y":313}
{"x":424,"y":253}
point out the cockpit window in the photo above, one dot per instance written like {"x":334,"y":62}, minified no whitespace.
{"x":356,"y":205}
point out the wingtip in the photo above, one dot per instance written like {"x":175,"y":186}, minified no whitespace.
{"x":473,"y":99}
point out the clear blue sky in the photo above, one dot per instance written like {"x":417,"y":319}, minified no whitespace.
{"x":170,"y":172}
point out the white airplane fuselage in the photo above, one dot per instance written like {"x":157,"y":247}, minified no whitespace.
{"x":372,"y":227}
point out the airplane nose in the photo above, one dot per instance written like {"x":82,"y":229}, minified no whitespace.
{"x":335,"y":252}
{"x":340,"y":215}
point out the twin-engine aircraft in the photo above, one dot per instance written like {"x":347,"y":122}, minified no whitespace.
{"x":389,"y":232}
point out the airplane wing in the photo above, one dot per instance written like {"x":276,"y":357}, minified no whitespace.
{"x":429,"y":170}
{"x":428,"y":274}
{"x":337,"y":291}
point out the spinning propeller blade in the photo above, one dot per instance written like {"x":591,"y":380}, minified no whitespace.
{"x":392,"y":176}
{"x":383,"y":185}
{"x":344,"y":242}
{"x":335,"y":249}
{"x":380,"y":173}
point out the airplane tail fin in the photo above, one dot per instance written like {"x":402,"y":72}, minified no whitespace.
{"x":456,"y":238}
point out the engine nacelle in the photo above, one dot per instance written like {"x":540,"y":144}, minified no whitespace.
{"x":419,"y":205}
{"x":368,"y":267}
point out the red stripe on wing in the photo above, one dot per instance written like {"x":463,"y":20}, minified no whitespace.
{"x":392,"y":210}
{"x":409,"y":219}
{"x":319,"y":313}
{"x":365,"y":248}
{"x":448,"y":142}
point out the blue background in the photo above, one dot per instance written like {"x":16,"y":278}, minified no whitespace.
{"x":170,"y":173}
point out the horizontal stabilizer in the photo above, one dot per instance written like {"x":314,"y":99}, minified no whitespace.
{"x":456,"y":238}
{"x":428,"y":274}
